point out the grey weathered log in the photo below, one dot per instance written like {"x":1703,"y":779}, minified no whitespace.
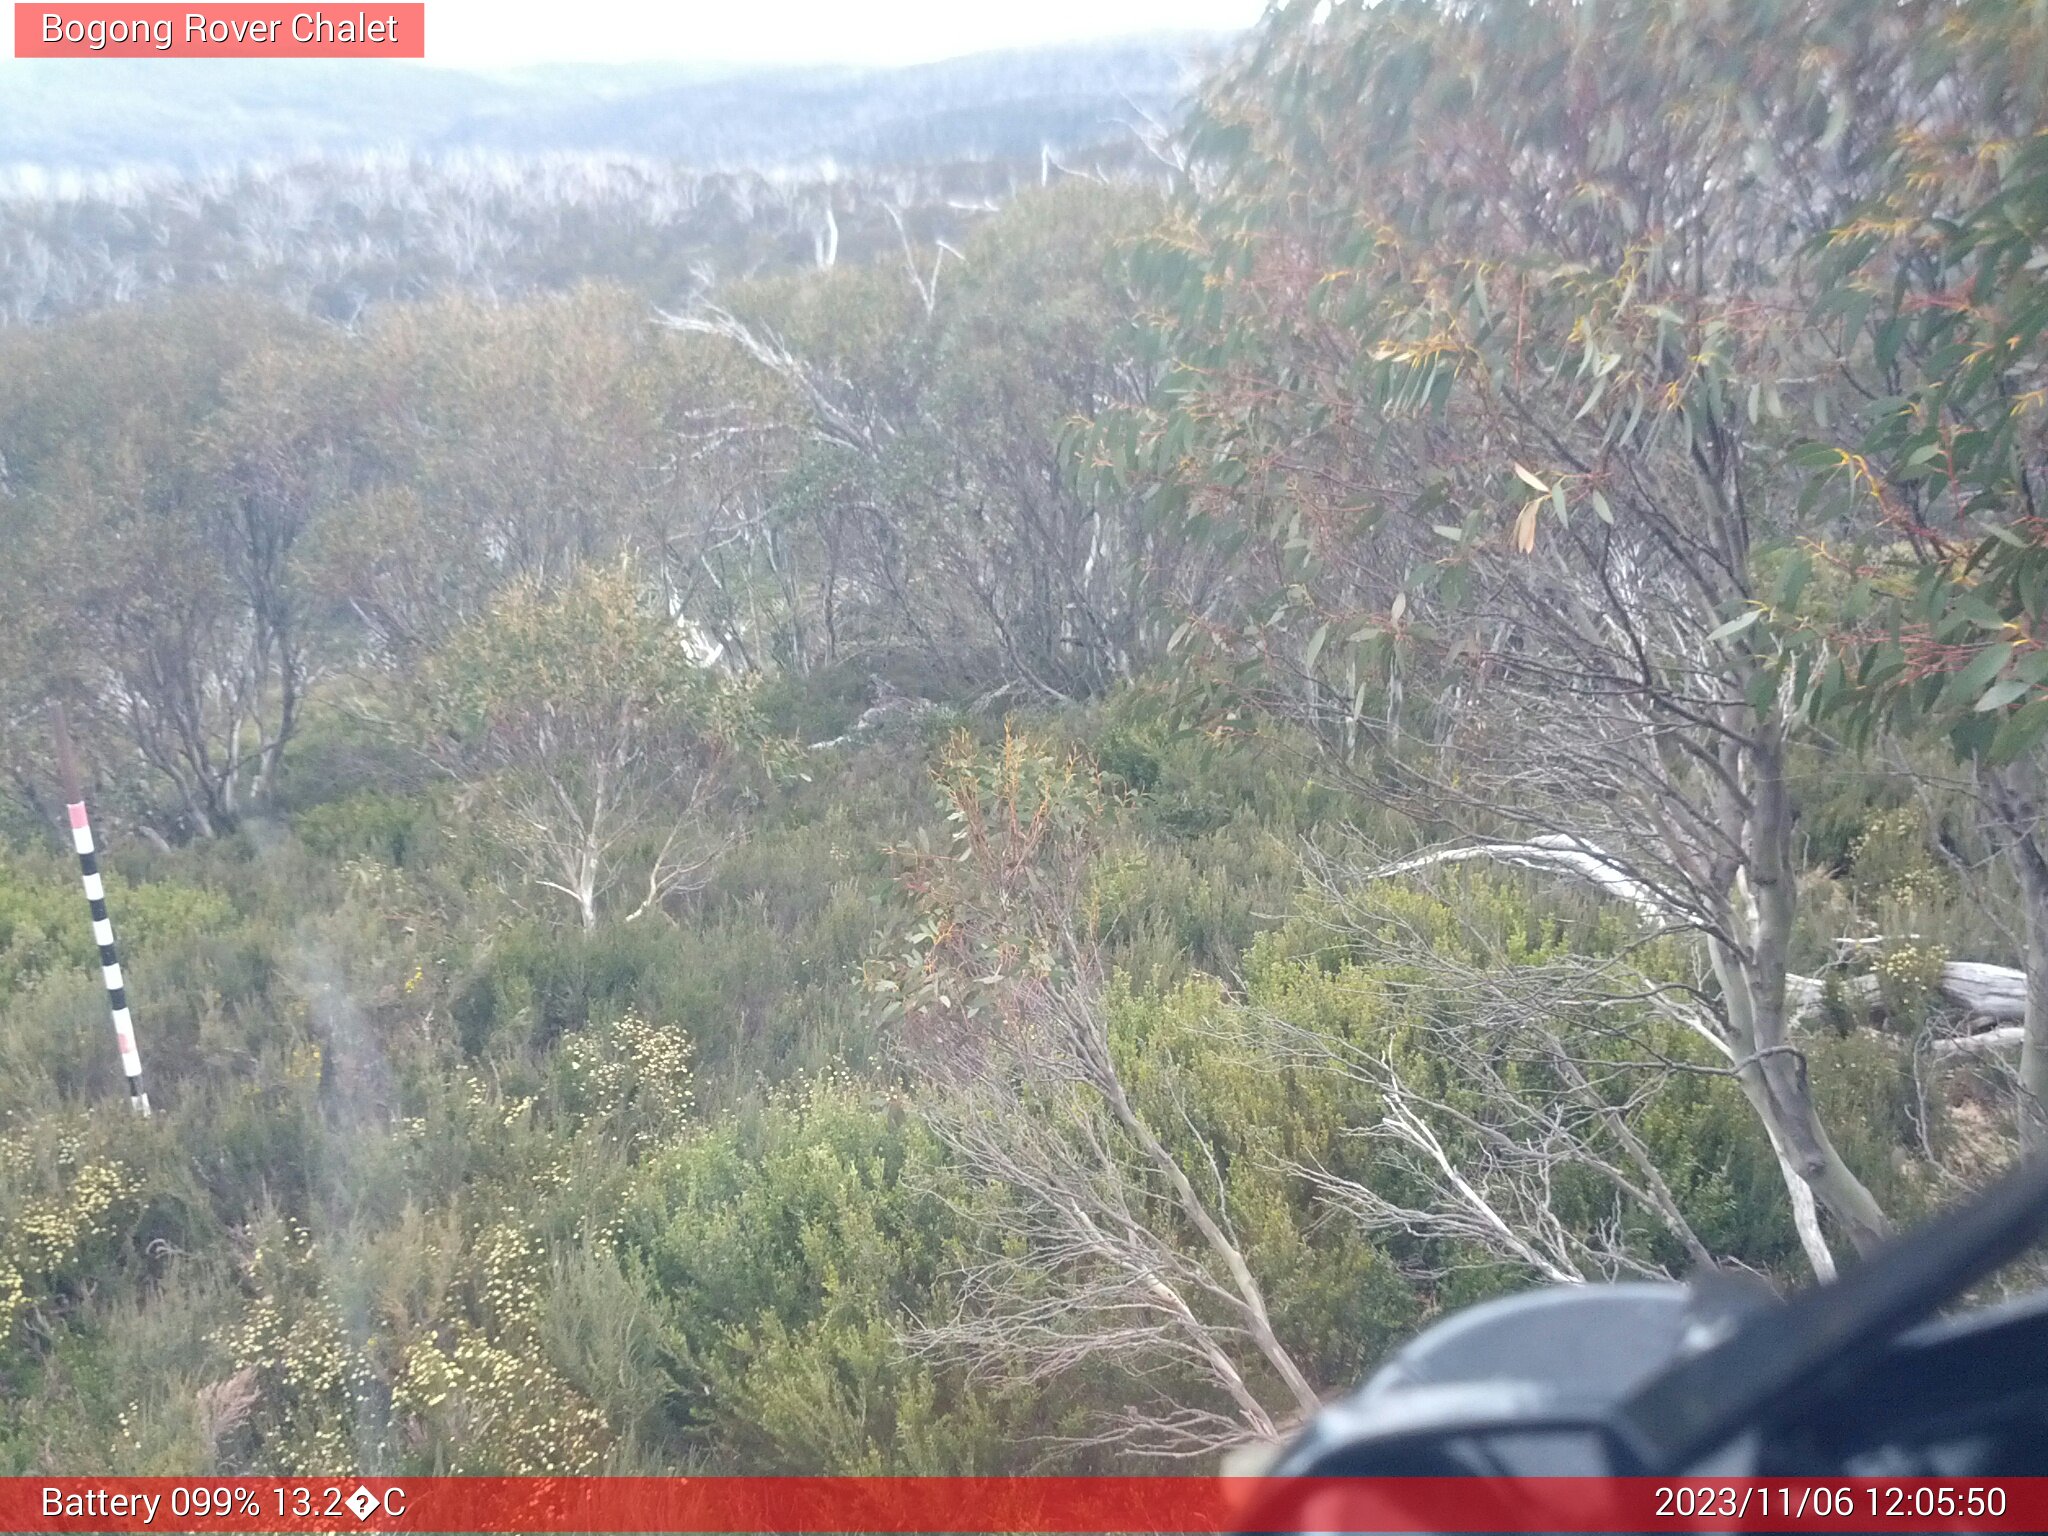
{"x":1993,"y":994}
{"x":1996,"y":993}
{"x":2003,"y":1037}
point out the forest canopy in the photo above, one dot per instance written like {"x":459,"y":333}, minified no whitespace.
{"x":1023,"y":843}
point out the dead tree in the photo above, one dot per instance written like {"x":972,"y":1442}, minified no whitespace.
{"x":1115,"y":1246}
{"x":1541,"y":1067}
{"x":1149,"y":1274}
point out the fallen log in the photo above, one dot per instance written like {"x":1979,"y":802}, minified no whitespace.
{"x":1990,"y":994}
{"x":2003,"y":1036}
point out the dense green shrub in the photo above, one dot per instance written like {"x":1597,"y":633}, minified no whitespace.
{"x":787,"y":1247}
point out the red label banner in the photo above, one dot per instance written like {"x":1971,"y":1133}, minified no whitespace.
{"x":1021,"y":1504}
{"x":234,"y":31}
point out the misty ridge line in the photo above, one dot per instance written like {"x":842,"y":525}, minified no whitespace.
{"x":64,"y":122}
{"x":666,"y":191}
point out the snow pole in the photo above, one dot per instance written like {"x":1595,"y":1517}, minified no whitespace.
{"x":102,"y":928}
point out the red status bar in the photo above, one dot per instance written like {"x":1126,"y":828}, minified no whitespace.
{"x":1020,"y":1504}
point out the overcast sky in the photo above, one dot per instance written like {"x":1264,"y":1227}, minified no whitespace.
{"x":495,"y":33}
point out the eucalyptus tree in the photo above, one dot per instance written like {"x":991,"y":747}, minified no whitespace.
{"x":1932,"y":294}
{"x":157,"y":498}
{"x":1492,"y":364}
{"x":586,"y":736}
{"x":923,"y":405}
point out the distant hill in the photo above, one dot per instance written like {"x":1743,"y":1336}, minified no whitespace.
{"x":193,"y":115}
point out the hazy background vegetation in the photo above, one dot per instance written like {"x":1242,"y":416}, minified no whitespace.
{"x":200,"y":115}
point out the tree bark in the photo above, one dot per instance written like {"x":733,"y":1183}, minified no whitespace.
{"x":2015,"y":796}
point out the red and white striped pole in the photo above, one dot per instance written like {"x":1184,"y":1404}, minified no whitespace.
{"x":102,"y":928}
